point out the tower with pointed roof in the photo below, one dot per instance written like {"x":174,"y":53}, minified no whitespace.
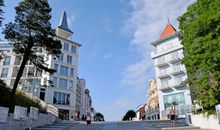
{"x":170,"y":73}
{"x":63,"y":29}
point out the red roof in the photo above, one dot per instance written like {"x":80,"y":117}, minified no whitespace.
{"x":168,"y":31}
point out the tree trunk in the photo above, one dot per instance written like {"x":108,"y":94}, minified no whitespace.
{"x":20,"y":72}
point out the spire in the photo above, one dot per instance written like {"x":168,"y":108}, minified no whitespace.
{"x":63,"y":23}
{"x":168,"y":30}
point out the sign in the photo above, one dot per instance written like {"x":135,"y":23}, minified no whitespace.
{"x":34,"y":113}
{"x":20,"y":113}
{"x":217,"y":107}
{"x":3,"y":114}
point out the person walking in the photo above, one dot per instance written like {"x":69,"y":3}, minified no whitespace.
{"x":88,"y":120}
{"x":173,"y":115}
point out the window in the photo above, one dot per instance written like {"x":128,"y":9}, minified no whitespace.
{"x":15,"y":71}
{"x":55,"y":81}
{"x":66,"y":46}
{"x":177,"y":98}
{"x":178,"y":79}
{"x":69,"y":59}
{"x":163,"y":71}
{"x":176,"y":67}
{"x":56,"y":67}
{"x":71,"y":85}
{"x":63,"y":83}
{"x":17,"y":60}
{"x":61,"y":98}
{"x":31,"y":71}
{"x":71,"y":72}
{"x":4,"y":72}
{"x":7,"y":60}
{"x":60,"y":57}
{"x":165,"y":82}
{"x":64,"y":70}
{"x":73,"y":49}
{"x":161,"y":60}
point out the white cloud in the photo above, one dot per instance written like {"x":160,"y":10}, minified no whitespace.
{"x":145,"y":24}
{"x":109,"y":55}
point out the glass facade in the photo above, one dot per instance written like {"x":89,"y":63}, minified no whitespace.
{"x":73,"y":49}
{"x":173,"y":99}
{"x":71,"y":72}
{"x":63,"y":83}
{"x":56,"y":67}
{"x":60,"y":57}
{"x":61,"y":98}
{"x":66,"y":46}
{"x":7,"y":60}
{"x":64,"y":70}
{"x":4,"y":72}
{"x":69,"y":59}
{"x":55,"y":81}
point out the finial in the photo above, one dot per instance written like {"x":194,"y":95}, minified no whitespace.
{"x":168,"y":19}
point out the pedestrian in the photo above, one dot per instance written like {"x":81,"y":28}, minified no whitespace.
{"x":173,"y":115}
{"x":88,"y":120}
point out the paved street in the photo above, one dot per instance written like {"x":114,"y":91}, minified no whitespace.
{"x":135,"y":125}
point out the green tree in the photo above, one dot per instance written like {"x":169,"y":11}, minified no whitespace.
{"x":129,"y":115}
{"x":30,"y":32}
{"x":200,"y":29}
{"x":99,"y":116}
{"x":1,"y":11}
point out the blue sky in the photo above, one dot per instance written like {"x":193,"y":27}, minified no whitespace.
{"x":115,"y":53}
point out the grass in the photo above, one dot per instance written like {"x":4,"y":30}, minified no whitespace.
{"x":21,"y":99}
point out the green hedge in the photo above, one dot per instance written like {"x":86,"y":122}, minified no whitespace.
{"x":21,"y":99}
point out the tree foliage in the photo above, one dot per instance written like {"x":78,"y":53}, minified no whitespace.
{"x":99,"y":116}
{"x":200,"y":28}
{"x":31,"y":32}
{"x":129,"y":115}
{"x":1,"y":11}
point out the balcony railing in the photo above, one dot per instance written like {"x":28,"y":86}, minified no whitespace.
{"x":163,"y":74}
{"x":177,"y":70}
{"x":177,"y":83}
{"x":164,"y":87}
{"x":161,"y":63}
{"x":175,"y":58}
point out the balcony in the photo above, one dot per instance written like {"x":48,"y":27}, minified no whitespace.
{"x":163,"y":75}
{"x":177,"y":70}
{"x":177,"y":84}
{"x":175,"y":58}
{"x":161,"y":63}
{"x":164,"y":87}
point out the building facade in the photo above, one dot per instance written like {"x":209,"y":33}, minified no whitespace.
{"x":63,"y":94}
{"x":170,"y":73}
{"x":152,"y":112}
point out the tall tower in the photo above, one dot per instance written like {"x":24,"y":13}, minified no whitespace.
{"x":170,"y":73}
{"x":63,"y":94}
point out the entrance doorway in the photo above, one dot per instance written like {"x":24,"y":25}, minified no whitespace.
{"x":63,"y":114}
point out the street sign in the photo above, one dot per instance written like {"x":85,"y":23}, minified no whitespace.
{"x":3,"y":114}
{"x":34,"y":113}
{"x":20,"y":113}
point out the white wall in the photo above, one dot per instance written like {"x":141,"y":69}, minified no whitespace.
{"x":205,"y":122}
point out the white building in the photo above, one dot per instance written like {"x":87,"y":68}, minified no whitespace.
{"x":170,"y":73}
{"x":63,"y":94}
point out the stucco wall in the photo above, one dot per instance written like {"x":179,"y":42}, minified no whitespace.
{"x":205,"y":122}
